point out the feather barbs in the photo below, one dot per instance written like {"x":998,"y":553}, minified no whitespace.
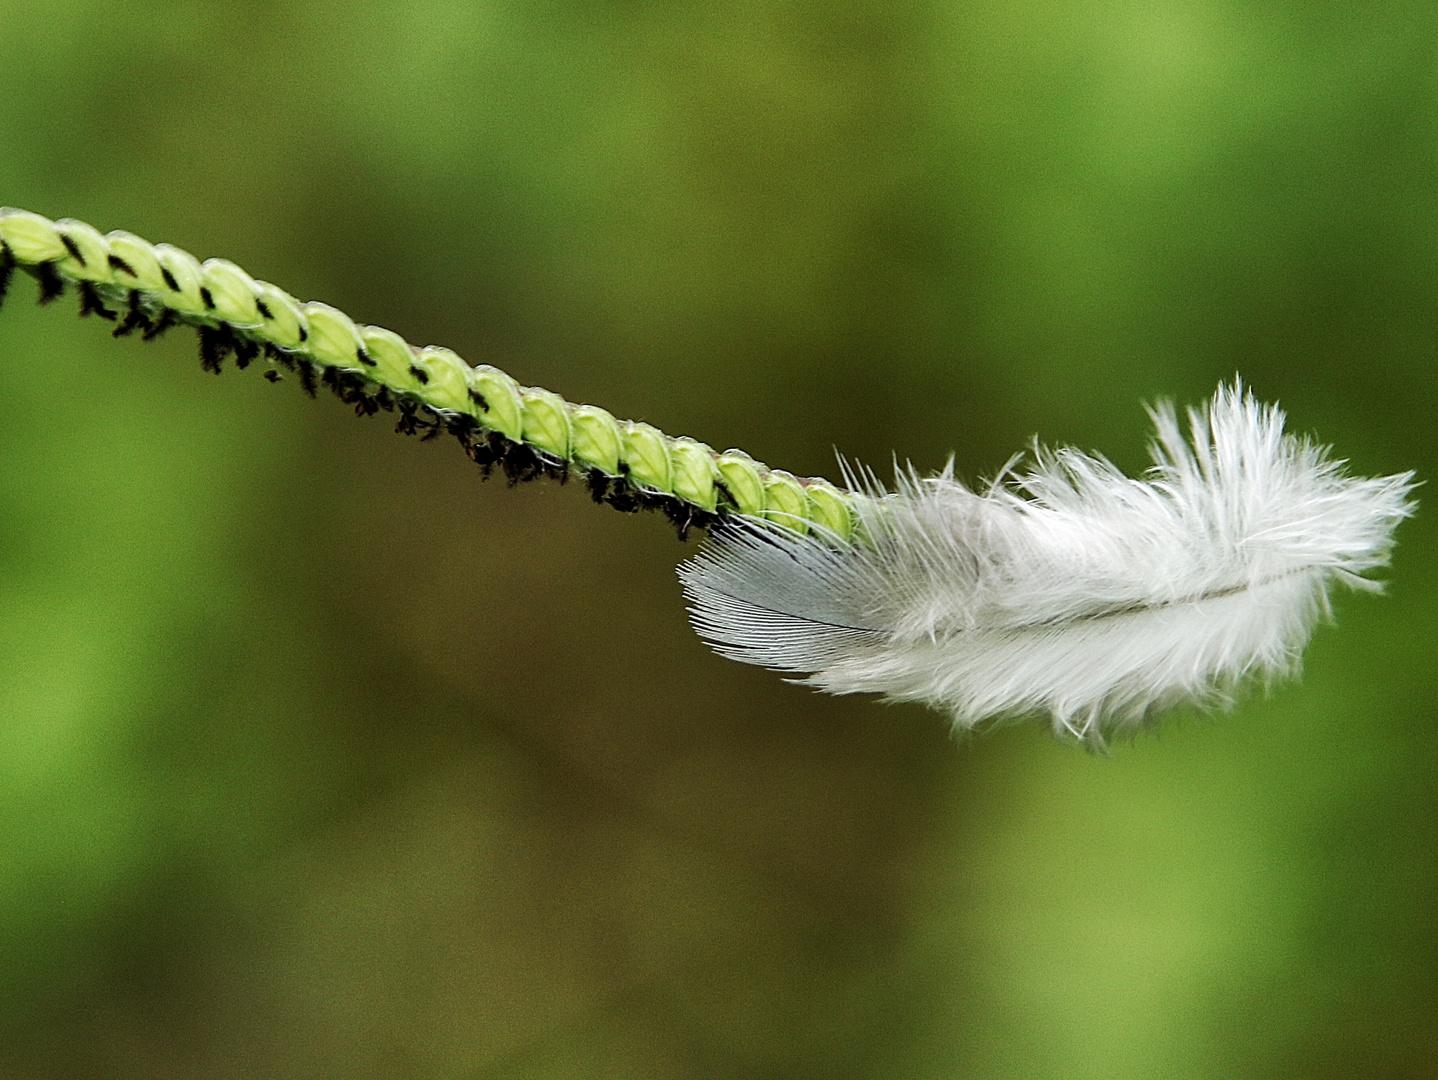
{"x":1069,"y":589}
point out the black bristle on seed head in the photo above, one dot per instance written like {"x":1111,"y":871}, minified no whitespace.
{"x":623,"y":496}
{"x":73,"y":248}
{"x":685,"y":516}
{"x":486,"y":449}
{"x":521,"y":463}
{"x":92,"y":304}
{"x":464,"y":428}
{"x":160,"y":325}
{"x":117,"y":263}
{"x":52,"y":285}
{"x":408,"y":423}
{"x":7,"y":269}
{"x":245,"y":351}
{"x":554,"y":468}
{"x":481,"y":455}
{"x":351,"y":389}
{"x":306,"y":371}
{"x":135,"y":317}
{"x":215,"y":344}
{"x":596,"y":482}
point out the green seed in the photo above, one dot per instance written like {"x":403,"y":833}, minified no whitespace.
{"x":392,"y":356}
{"x":693,"y":472}
{"x":545,"y":419}
{"x":31,"y":238}
{"x":91,"y":245}
{"x":188,"y":277}
{"x":285,"y":324}
{"x":829,"y":509}
{"x":497,"y":406}
{"x":232,"y":291}
{"x":596,"y":438}
{"x":784,"y":500}
{"x":136,"y":254}
{"x":646,"y":456}
{"x":448,"y":387}
{"x":334,"y":340}
{"x":740,"y":476}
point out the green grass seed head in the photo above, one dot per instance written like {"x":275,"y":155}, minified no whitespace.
{"x":532,"y":431}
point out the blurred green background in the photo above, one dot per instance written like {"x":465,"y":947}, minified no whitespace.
{"x":319,"y":757}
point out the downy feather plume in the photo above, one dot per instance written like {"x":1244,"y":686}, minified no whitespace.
{"x":1070,"y":589}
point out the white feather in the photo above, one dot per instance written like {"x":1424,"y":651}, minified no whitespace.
{"x":1071,"y":590}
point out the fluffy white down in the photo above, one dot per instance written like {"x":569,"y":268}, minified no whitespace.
{"x":1070,"y":590}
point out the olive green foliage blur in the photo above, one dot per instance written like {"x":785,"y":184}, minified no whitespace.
{"x":320,"y":757}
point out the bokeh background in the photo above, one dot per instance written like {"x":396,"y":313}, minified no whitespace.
{"x":320,"y":757}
